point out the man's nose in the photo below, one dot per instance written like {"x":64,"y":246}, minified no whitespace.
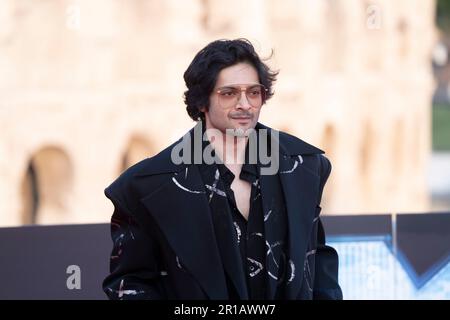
{"x":243,"y":102}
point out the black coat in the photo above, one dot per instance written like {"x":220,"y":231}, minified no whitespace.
{"x":164,"y":241}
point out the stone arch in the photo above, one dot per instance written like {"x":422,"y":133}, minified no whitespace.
{"x":30,"y":195}
{"x":45,"y":186}
{"x":138,"y":148}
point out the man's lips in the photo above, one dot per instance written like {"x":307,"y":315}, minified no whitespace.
{"x":242,"y":121}
{"x":241,"y":118}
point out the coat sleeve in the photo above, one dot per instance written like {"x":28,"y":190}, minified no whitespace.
{"x":134,"y":269}
{"x":326,"y":284}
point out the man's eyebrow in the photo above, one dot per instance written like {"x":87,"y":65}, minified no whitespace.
{"x":228,"y":86}
{"x":238,"y":85}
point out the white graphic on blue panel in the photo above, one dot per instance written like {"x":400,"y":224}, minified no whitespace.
{"x":368,"y":269}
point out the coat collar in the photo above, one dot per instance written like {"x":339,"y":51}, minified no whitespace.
{"x":162,"y":162}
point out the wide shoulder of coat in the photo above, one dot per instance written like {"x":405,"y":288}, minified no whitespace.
{"x":290,"y":144}
{"x":161,"y":163}
{"x":310,"y":156}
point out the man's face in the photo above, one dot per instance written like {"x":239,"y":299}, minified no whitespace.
{"x":242,"y":115}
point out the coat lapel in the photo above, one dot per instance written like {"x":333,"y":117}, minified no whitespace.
{"x":273,"y":216}
{"x":181,"y":210}
{"x":300,"y":188}
{"x":227,"y":244}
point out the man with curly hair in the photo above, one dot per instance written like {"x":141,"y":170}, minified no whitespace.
{"x":231,"y":210}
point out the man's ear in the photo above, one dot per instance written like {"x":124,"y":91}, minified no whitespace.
{"x":202,"y":109}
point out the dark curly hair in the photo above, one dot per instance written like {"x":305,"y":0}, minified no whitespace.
{"x":201,"y":75}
